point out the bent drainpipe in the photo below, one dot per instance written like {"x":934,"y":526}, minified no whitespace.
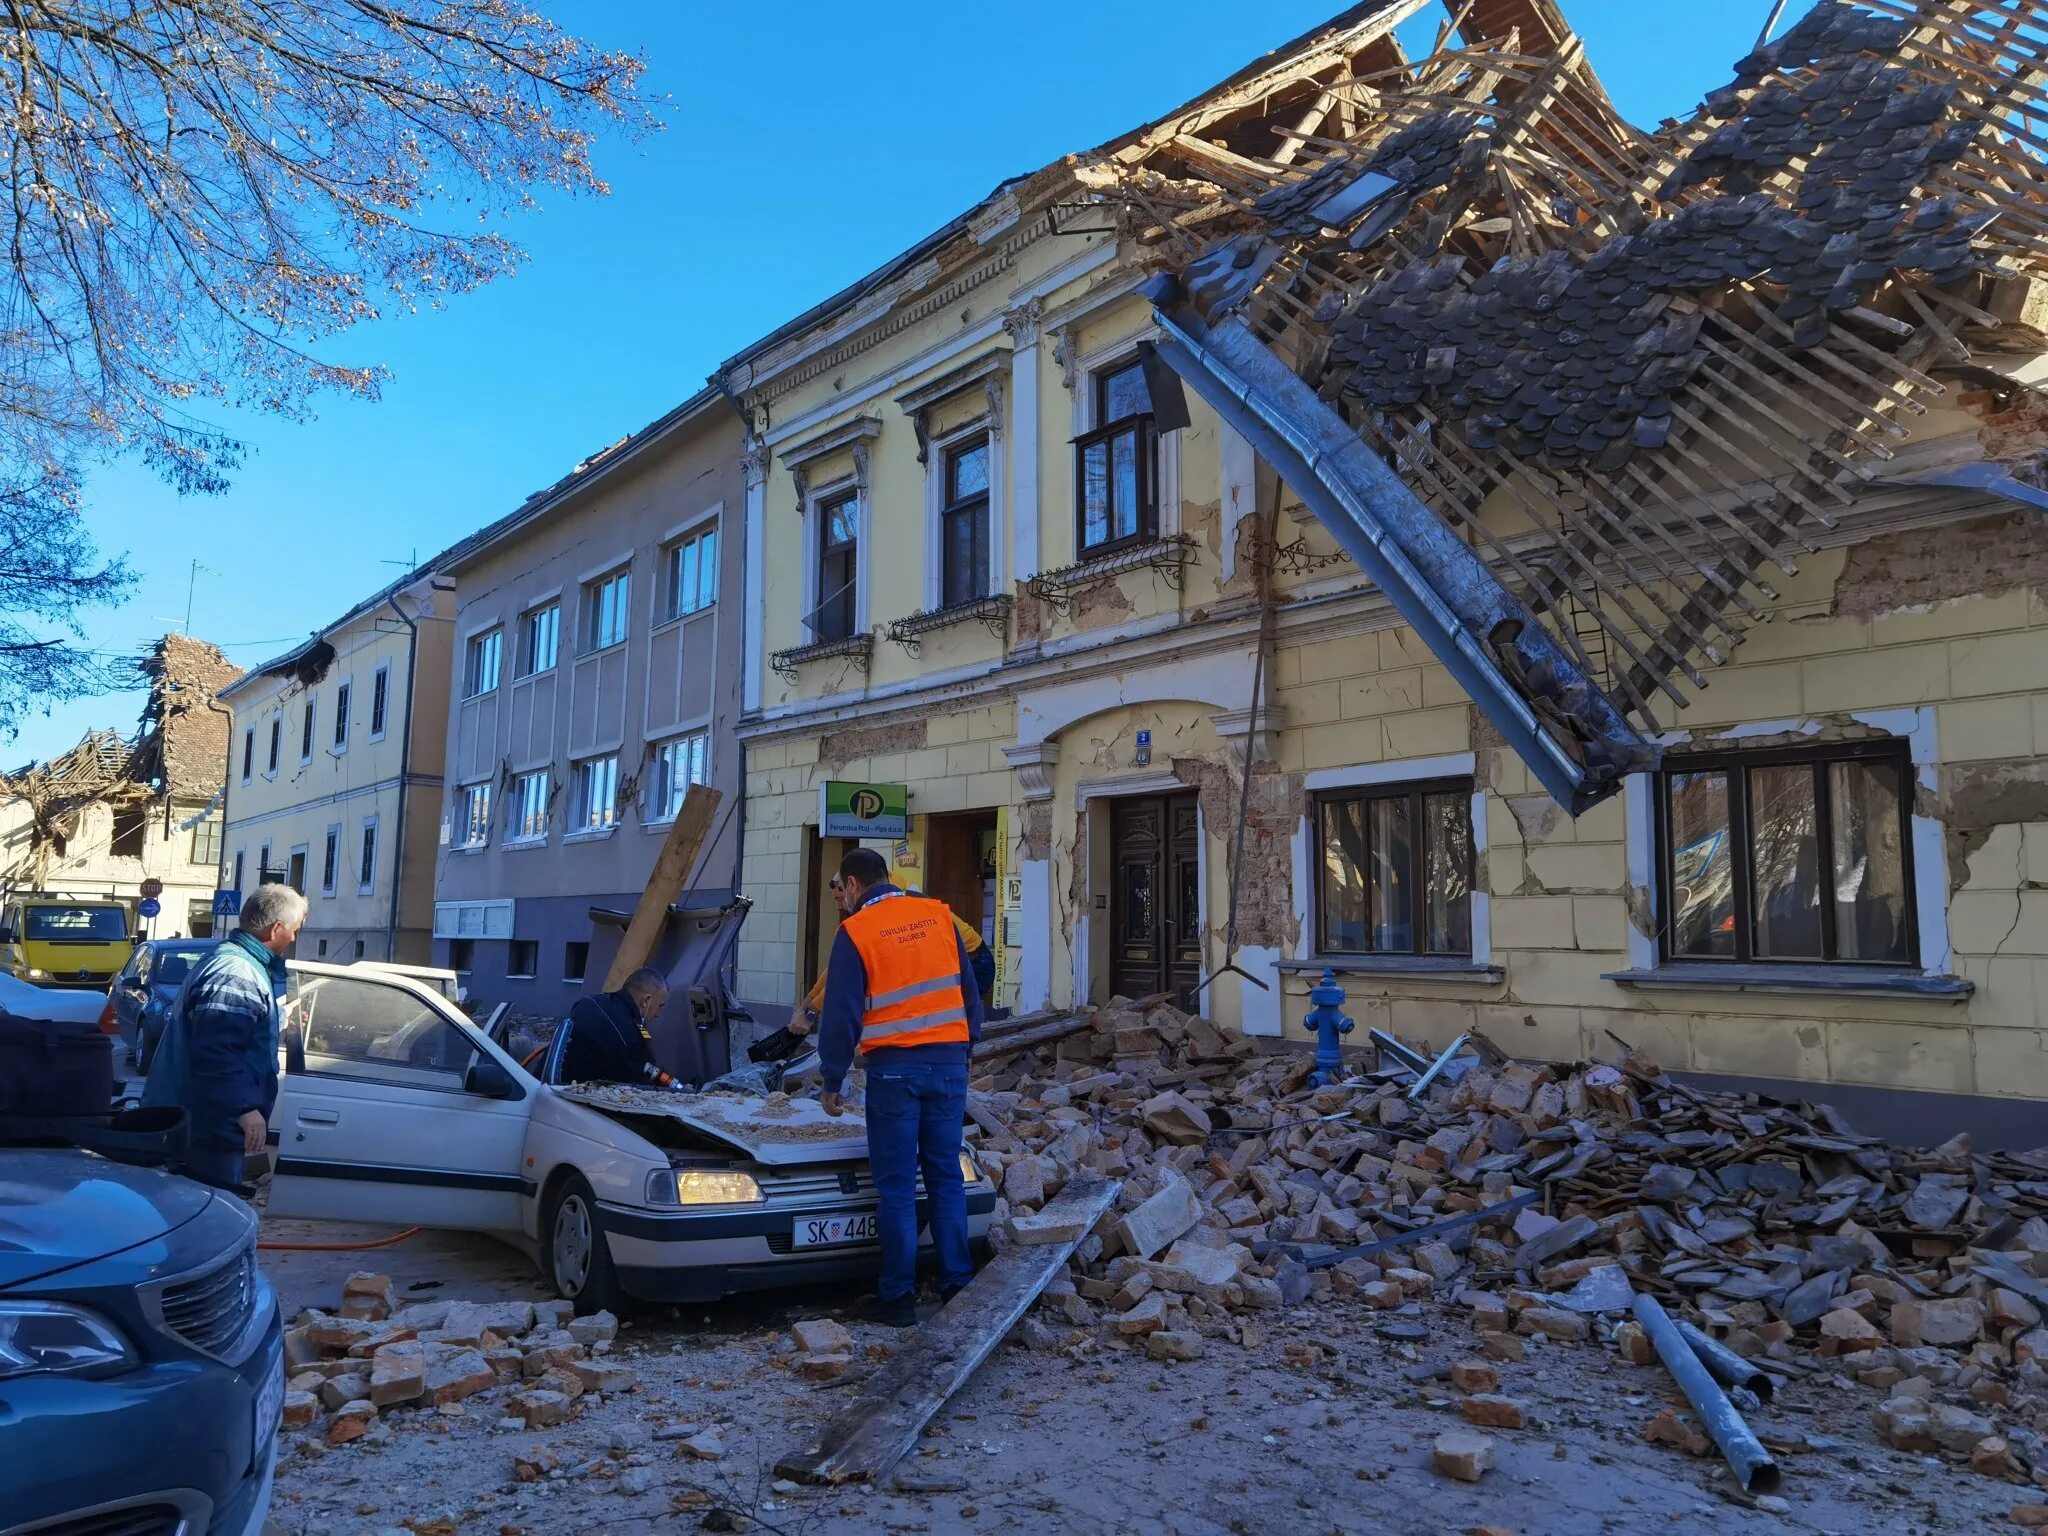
{"x":1729,"y":1368}
{"x":1473,"y":624}
{"x":1747,"y":1458}
{"x":412,"y":657}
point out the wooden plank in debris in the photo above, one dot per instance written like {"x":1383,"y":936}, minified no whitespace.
{"x":1041,"y":1034}
{"x":875,"y":1431}
{"x":671,"y":872}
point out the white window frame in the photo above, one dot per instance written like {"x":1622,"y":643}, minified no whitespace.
{"x":238,"y":868}
{"x":248,"y":752}
{"x":657,"y":814}
{"x":1451,"y":765}
{"x":275,"y":760}
{"x":366,"y":874}
{"x":218,"y":838}
{"x":672,"y":544}
{"x":985,"y":425}
{"x":587,"y":607}
{"x":580,"y":806}
{"x":516,"y":835}
{"x":262,"y":860}
{"x":1107,"y":358}
{"x":309,"y":729}
{"x":330,"y":871}
{"x":548,"y":600}
{"x":298,"y":850}
{"x":466,"y":814}
{"x":344,"y":700}
{"x":1914,"y":726}
{"x":863,"y":576}
{"x":470,"y":642}
{"x":380,"y":678}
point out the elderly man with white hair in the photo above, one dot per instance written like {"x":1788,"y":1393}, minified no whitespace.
{"x":218,"y":1057}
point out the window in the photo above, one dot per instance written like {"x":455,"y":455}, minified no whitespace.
{"x":604,"y":610}
{"x":540,"y":639}
{"x":1795,"y":856}
{"x":575,"y":959}
{"x":480,"y":669}
{"x":276,"y":737}
{"x":248,"y":752}
{"x":365,"y":1029}
{"x":461,"y":954}
{"x":529,"y":807}
{"x":330,"y":861}
{"x":597,"y":794}
{"x":295,"y":871}
{"x":473,"y":816}
{"x":342,"y":695}
{"x":963,"y":524}
{"x":306,"y":731}
{"x":838,"y":566}
{"x":323,"y":946}
{"x":359,"y":949}
{"x":206,"y":842}
{"x":1117,"y":463}
{"x":236,"y":884}
{"x":522,"y":959}
{"x":677,"y":765}
{"x":130,"y":833}
{"x":366,"y":873}
{"x":380,"y":699}
{"x":1394,"y":870}
{"x":690,"y":574}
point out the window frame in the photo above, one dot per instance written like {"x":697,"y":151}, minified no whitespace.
{"x":1149,"y":461}
{"x":532,"y":971}
{"x":209,"y":832}
{"x":949,"y":452}
{"x":330,"y":859}
{"x":590,"y":641}
{"x":846,"y":493}
{"x":516,"y":831}
{"x":1736,"y":764}
{"x":248,"y":752}
{"x":474,"y":646}
{"x":380,"y":700}
{"x":585,"y":771}
{"x":130,"y":825}
{"x":366,"y":848}
{"x":468,"y":804}
{"x":237,"y":886}
{"x":524,"y":662}
{"x":276,"y":744}
{"x":1414,"y":791}
{"x":663,"y":809}
{"x":344,"y":697}
{"x":307,"y":723}
{"x":569,"y":950}
{"x":698,"y":534}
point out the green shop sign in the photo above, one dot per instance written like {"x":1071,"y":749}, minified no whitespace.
{"x":863,"y":810}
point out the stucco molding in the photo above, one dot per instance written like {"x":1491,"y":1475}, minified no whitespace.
{"x":1034,"y":764}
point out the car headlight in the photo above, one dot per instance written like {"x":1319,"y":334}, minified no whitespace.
{"x":710,"y":1186}
{"x":38,"y":1337}
{"x":968,"y":1171}
{"x":37,"y":973}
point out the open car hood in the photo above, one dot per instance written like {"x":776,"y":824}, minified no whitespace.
{"x":776,"y":1131}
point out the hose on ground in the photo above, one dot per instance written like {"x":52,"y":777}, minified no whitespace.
{"x":377,"y":1242}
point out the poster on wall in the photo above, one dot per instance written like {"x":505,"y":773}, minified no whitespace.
{"x":862,"y":811}
{"x":1007,"y":882}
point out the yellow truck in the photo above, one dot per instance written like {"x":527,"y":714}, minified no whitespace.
{"x":60,"y":941}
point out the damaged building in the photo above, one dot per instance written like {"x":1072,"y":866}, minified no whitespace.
{"x":1395,"y":516}
{"x":116,"y":811}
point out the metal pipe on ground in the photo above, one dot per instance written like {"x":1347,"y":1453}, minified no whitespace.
{"x":1751,"y":1463}
{"x":1729,"y":1368}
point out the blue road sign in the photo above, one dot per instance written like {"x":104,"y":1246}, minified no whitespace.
{"x":227,"y":903}
{"x":149,"y":906}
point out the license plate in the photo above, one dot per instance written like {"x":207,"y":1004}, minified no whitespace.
{"x":269,"y":1410}
{"x":828,"y":1231}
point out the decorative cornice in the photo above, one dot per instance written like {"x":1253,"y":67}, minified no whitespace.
{"x":1033,"y":764}
{"x":986,"y":370}
{"x":1235,"y":726}
{"x":855,"y":434}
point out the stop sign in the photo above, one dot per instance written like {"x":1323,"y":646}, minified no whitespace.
{"x":152,"y":888}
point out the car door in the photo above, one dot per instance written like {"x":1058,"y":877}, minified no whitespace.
{"x":391,"y":1108}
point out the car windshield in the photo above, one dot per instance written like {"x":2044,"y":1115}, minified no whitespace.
{"x":80,"y":925}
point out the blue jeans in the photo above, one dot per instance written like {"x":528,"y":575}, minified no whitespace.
{"x":914,"y":1114}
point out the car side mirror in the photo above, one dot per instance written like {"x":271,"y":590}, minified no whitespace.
{"x":488,"y":1080}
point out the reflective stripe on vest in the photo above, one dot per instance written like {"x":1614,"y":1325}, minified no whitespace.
{"x":911,"y":953}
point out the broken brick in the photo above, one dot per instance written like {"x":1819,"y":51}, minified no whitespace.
{"x":1462,"y":1453}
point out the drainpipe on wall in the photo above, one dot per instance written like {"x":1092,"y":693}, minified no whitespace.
{"x":412,"y":656}
{"x":227,"y":779}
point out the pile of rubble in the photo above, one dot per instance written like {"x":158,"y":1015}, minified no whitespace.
{"x":1538,"y":1201}
{"x":537,"y":1361}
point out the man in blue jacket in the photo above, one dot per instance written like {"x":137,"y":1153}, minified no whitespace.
{"x":218,"y":1057}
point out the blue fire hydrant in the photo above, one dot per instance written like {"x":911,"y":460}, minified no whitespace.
{"x":1328,"y":1023}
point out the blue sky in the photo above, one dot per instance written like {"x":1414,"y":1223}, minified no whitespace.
{"x":806,"y":144}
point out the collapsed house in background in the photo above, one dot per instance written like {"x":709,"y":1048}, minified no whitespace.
{"x":1568,"y":391}
{"x":113,"y":812}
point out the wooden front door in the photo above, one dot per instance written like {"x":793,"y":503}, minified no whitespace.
{"x":1155,"y":899}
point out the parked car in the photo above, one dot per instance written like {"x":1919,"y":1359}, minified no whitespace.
{"x":394,"y":1107}
{"x":61,"y":942}
{"x":141,"y":1353}
{"x":147,"y":986}
{"x":66,"y":1005}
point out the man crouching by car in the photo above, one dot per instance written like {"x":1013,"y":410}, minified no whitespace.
{"x":899,"y":987}
{"x":218,"y":1057}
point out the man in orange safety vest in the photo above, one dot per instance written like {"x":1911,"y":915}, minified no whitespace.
{"x":900,"y":990}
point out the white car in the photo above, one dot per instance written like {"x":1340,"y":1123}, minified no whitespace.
{"x":394,"y":1107}
{"x":72,"y":1005}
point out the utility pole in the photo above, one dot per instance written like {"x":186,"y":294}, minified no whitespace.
{"x":191,"y":584}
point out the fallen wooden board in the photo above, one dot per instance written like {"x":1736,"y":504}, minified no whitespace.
{"x":670,"y":878}
{"x":880,"y":1426}
{"x":987,"y":1049}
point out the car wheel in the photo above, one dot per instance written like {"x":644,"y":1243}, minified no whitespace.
{"x":579,"y":1259}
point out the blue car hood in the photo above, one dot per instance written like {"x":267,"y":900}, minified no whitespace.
{"x":61,"y":1208}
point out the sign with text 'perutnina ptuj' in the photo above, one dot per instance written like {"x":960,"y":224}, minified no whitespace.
{"x":863,"y":810}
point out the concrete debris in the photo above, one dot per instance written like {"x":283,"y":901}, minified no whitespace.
{"x":1464,"y":1454}
{"x":367,"y":1297}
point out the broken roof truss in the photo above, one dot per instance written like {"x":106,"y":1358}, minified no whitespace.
{"x":1566,"y":390}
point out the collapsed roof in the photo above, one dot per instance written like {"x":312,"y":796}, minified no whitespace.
{"x":1566,"y":390}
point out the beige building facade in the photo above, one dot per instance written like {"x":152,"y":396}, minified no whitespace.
{"x":1003,"y":583}
{"x":334,"y":773}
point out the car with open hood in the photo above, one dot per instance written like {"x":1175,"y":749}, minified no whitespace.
{"x":394,"y":1107}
